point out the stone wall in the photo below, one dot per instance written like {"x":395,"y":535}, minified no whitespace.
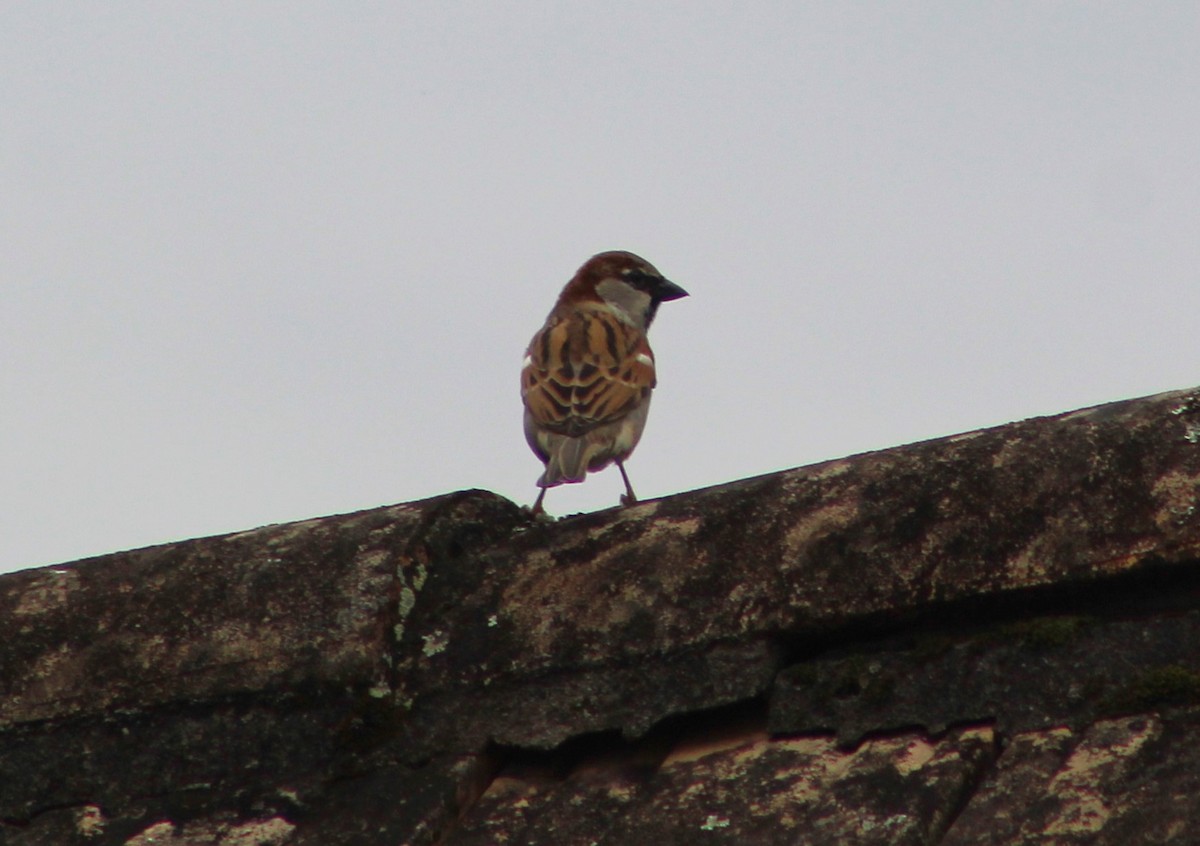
{"x":988,"y":638}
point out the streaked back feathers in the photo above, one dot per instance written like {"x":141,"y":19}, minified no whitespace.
{"x":589,"y":371}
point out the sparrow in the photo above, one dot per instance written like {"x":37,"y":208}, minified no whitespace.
{"x":589,"y":371}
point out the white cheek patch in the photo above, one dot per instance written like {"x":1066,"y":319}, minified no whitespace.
{"x":645,"y":359}
{"x":528,"y":361}
{"x":629,"y":304}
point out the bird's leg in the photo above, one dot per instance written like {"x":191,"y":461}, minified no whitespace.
{"x":537,"y":505}
{"x":627,"y":498}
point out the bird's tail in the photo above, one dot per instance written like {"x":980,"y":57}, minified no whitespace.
{"x":568,"y":463}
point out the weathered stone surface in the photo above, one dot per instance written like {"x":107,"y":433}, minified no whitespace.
{"x":1035,"y":673}
{"x":626,"y":698}
{"x":1124,"y":781}
{"x":898,"y":790}
{"x":352,"y":680}
{"x":270,"y":753}
{"x":241,"y":675}
{"x":87,"y":826}
{"x":1062,"y":504}
{"x":299,"y":604}
{"x":272,"y":831}
{"x":327,"y":769}
{"x":394,"y":804}
{"x":60,"y":827}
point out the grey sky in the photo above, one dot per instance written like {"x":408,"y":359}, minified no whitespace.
{"x":268,"y":261}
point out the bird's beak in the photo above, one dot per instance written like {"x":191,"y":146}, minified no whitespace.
{"x":666,"y":290}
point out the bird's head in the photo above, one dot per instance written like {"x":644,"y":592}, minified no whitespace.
{"x":632,"y":286}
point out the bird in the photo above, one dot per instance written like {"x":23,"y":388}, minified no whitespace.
{"x":588,"y":373}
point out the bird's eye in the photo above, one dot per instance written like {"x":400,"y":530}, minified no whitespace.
{"x":639,"y":278}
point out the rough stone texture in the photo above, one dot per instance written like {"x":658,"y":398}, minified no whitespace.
{"x":890,"y":791}
{"x":223,"y":680}
{"x":281,"y":607}
{"x":1076,"y":668}
{"x":1124,"y":781}
{"x":360,"y":679}
{"x":1057,"y":505}
{"x":87,"y":825}
{"x":394,"y":804}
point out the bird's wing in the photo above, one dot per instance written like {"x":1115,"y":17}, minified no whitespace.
{"x":585,"y":369}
